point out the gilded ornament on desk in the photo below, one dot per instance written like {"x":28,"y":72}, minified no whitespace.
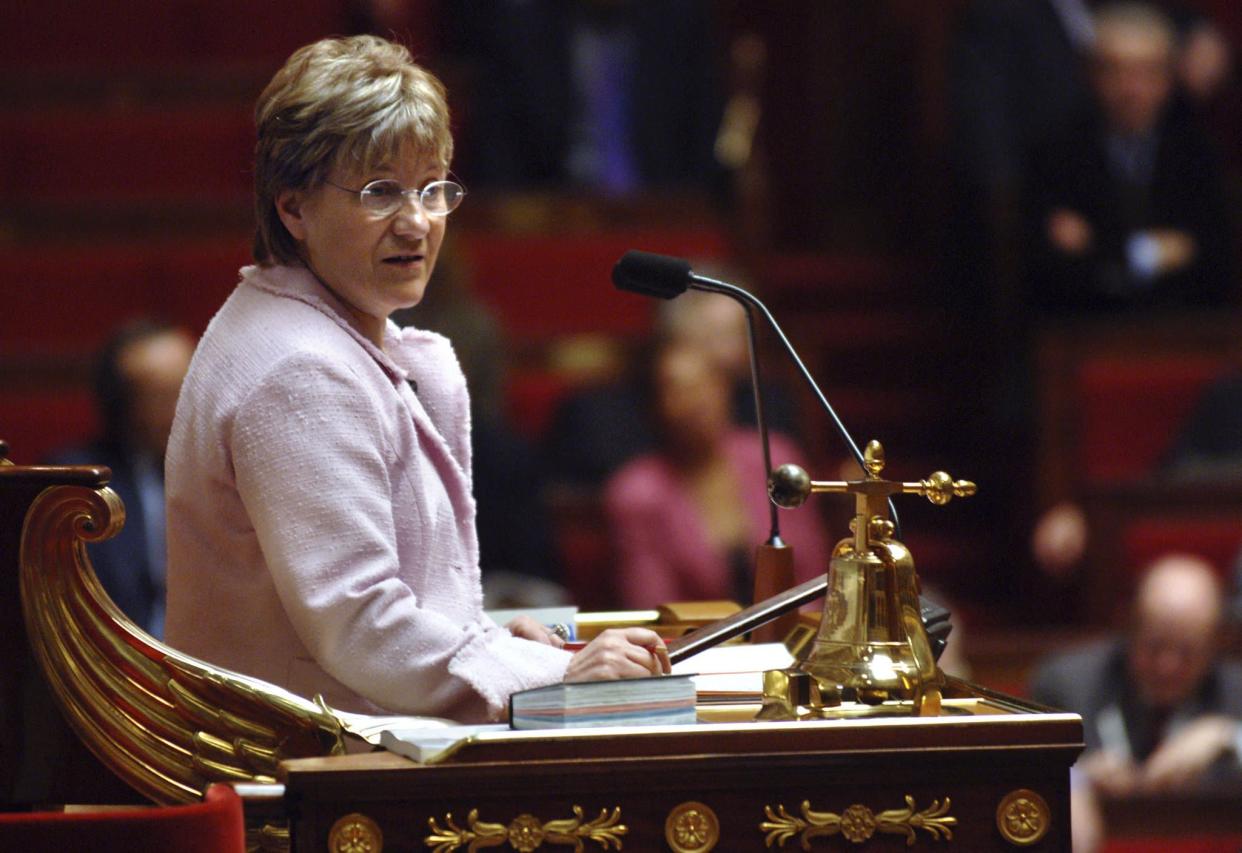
{"x":692,"y":828}
{"x":858,"y":823}
{"x":355,"y":833}
{"x":1023,"y":817}
{"x":526,"y":832}
{"x":269,"y":838}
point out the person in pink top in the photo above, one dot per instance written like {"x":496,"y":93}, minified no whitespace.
{"x":321,"y":527}
{"x":685,"y":519}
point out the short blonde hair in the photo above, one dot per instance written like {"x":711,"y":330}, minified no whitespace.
{"x":339,"y":102}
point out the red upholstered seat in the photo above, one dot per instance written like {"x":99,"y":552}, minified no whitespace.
{"x":94,"y":35}
{"x":1130,"y":410}
{"x":1196,"y":844}
{"x":71,"y":156}
{"x":212,"y":826}
{"x":542,"y":285}
{"x":532,"y":398}
{"x":66,"y":299}
{"x":1218,"y":540}
{"x":37,"y":422}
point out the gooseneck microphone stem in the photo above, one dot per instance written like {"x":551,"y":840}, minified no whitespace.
{"x":761,"y":422}
{"x":711,"y":285}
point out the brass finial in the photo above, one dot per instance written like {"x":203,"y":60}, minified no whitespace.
{"x":940,"y":488}
{"x":879,"y":528}
{"x":873,"y":458}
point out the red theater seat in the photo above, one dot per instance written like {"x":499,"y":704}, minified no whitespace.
{"x":116,"y":155}
{"x":542,"y":285}
{"x":532,"y":399}
{"x":1130,"y":410}
{"x":36,"y":423}
{"x":214,"y":826}
{"x":1218,"y":540}
{"x":69,"y":298}
{"x":1193,"y":844}
{"x":102,"y":35}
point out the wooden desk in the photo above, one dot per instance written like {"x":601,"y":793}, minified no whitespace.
{"x":678,"y":787}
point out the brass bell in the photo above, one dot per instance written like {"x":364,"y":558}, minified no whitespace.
{"x":871,"y":646}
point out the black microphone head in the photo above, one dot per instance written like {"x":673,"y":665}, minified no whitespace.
{"x":651,"y":275}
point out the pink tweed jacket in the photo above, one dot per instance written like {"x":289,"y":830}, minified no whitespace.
{"x":321,"y":527}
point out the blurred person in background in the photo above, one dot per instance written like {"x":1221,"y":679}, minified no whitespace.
{"x":685,"y":518}
{"x":137,"y":377}
{"x":1161,"y":709}
{"x":1128,"y":205}
{"x":1019,"y":77}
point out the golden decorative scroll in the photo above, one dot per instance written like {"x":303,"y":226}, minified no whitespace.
{"x":526,"y":832}
{"x":858,"y":823}
{"x":166,"y":723}
{"x":692,"y":828}
{"x":169,"y":725}
{"x":269,"y":838}
{"x":1023,"y":817}
{"x":355,"y":833}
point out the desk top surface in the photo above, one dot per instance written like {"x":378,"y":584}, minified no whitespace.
{"x":971,"y":725}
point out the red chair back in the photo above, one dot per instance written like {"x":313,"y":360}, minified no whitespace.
{"x":212,"y":826}
{"x":1131,"y":409}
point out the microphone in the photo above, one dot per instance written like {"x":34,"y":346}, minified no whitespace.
{"x":667,"y":277}
{"x":652,"y":275}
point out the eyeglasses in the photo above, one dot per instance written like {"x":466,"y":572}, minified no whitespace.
{"x":385,"y":197}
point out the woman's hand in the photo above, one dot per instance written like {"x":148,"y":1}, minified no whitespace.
{"x":620,"y":653}
{"x":530,"y":629}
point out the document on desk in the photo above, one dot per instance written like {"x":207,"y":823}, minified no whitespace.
{"x":426,"y":744}
{"x":733,"y":673}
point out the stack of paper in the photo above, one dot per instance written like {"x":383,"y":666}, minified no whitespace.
{"x":663,"y":700}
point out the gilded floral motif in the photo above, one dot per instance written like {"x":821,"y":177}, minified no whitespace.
{"x":526,"y":832}
{"x":857,"y":823}
{"x":1022,"y":817}
{"x":692,"y":828}
{"x":355,"y":833}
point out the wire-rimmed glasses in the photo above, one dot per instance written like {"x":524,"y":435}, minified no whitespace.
{"x":386,"y":196}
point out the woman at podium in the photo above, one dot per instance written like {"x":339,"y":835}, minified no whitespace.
{"x":321,"y":527}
